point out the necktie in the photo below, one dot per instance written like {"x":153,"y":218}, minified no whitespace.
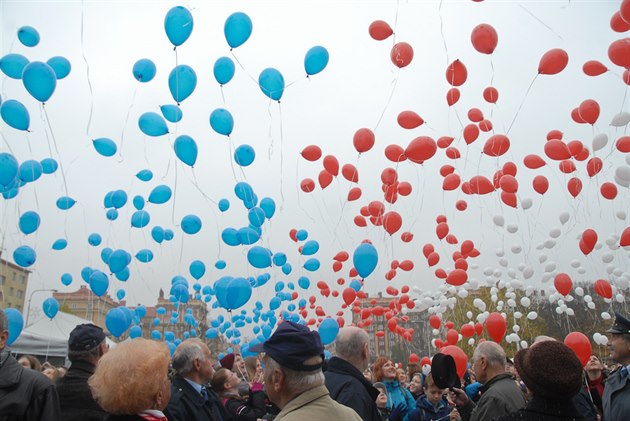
{"x":623,"y":372}
{"x":204,"y":393}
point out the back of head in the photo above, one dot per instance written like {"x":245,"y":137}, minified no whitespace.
{"x":350,"y":343}
{"x":493,"y":354}
{"x":4,"y":329}
{"x":185,"y":355}
{"x":219,"y":379}
{"x":84,"y":343}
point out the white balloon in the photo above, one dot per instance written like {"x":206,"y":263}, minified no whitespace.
{"x":581,"y":271}
{"x":607,"y":257}
{"x":603,"y":340}
{"x":471,"y":341}
{"x":469,"y":314}
{"x":516,"y":328}
{"x":550,"y":267}
{"x":579,"y":291}
{"x":605,"y":315}
{"x":532,"y":315}
{"x":435,"y":332}
{"x":503,"y":262}
{"x":564,"y":217}
{"x":559,"y":310}
{"x":518,"y":315}
{"x":527,"y":203}
{"x":473,"y":283}
{"x":498,"y":220}
{"x":500,"y":252}
{"x":511,"y":273}
{"x":528,"y":272}
{"x":494,"y":298}
{"x":497,"y":273}
{"x":570,"y":312}
{"x":621,"y":215}
{"x":542,"y":258}
{"x":599,"y":141}
{"x":426,"y":369}
{"x":549,"y":243}
{"x":526,"y":302}
{"x":623,"y":172}
{"x":610,"y":269}
{"x":512,"y":228}
{"x":622,"y":182}
{"x":621,"y":119}
{"x":462,"y":293}
{"x":488,"y":271}
{"x":627,"y":159}
{"x":524,"y":344}
{"x":511,"y":303}
{"x":546,"y":277}
{"x":555,"y":232}
{"x":516,"y":249}
{"x":619,"y":298}
{"x":540,"y":246}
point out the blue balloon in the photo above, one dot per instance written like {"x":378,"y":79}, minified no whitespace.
{"x":244,"y":155}
{"x":355,"y":284}
{"x":160,"y":194}
{"x":144,"y":255}
{"x":238,"y":28}
{"x":112,"y":214}
{"x":259,"y":257}
{"x":104,"y":146}
{"x":156,"y":335}
{"x":144,"y":70}
{"x":271,"y":83}
{"x":49,"y":165}
{"x":304,"y":282}
{"x":99,"y":283}
{"x":365,"y":259}
{"x":105,"y":254}
{"x":279,"y":259}
{"x":50,"y":307}
{"x":256,"y":216}
{"x":120,"y":294}
{"x":178,"y":25}
{"x":220,"y":264}
{"x":197,"y":269}
{"x":144,"y":175}
{"x":160,"y":310}
{"x":30,"y":170}
{"x":60,"y":65}
{"x":328,"y":330}
{"x":311,"y":265}
{"x":119,"y":198}
{"x":212,"y":333}
{"x":65,"y":202}
{"x":15,"y":114}
{"x":157,"y":233}
{"x":243,"y":191}
{"x":60,"y":244}
{"x":40,"y":80}
{"x":221,"y":121}
{"x":141,"y":311}
{"x":8,"y":169}
{"x":223,"y":70}
{"x":140,"y":219}
{"x":123,"y":275}
{"x":316,"y":60}
{"x":116,"y":321}
{"x":191,"y":224}
{"x":224,"y":205}
{"x":15,"y":323}
{"x":168,"y":234}
{"x":301,"y":235}
{"x":230,"y":237}
{"x":268,"y":206}
{"x":135,"y":332}
{"x":118,"y":260}
{"x":172,"y":113}
{"x":24,"y":256}
{"x":29,"y":222}
{"x":66,"y":279}
{"x":138,"y":202}
{"x":186,"y":149}
{"x":248,"y":236}
{"x":239,"y":292}
{"x":310,"y":247}
{"x":107,"y":200}
{"x":152,"y":124}
{"x":86,"y":273}
{"x":274,"y":303}
{"x":28,"y":36}
{"x":13,"y":65}
{"x":182,"y":81}
{"x":286,"y":268}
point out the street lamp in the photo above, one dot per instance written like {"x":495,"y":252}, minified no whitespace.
{"x":28,"y":304}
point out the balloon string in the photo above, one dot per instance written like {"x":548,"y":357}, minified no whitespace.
{"x":281,"y":156}
{"x":522,"y":102}
{"x":52,"y":134}
{"x":122,"y":135}
{"x":174,"y":196}
{"x":87,"y":67}
{"x":389,"y":100}
{"x":540,"y":21}
{"x":442,"y":31}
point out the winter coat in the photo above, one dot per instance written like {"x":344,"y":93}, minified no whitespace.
{"x":584,"y":405}
{"x":26,"y":394}
{"x":396,"y":394}
{"x":75,"y":396}
{"x":425,"y":411}
{"x":500,"y":396}
{"x":539,"y":409}
{"x":314,"y":405}
{"x":347,"y":385}
{"x":246,"y":410}
{"x":187,"y":404}
{"x":616,"y":399}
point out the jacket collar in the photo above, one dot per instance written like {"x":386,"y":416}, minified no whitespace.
{"x":304,"y":399}
{"x":494,"y":380}
{"x":81,"y":365}
{"x":10,"y":373}
{"x":186,"y":388}
{"x":338,"y":365}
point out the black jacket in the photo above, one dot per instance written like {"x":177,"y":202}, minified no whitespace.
{"x":246,"y":410}
{"x":75,"y":396}
{"x":188,"y":405}
{"x":539,"y":409}
{"x":25,"y":394}
{"x":347,"y":386}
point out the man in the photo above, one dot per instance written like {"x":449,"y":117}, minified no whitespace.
{"x":616,"y":399}
{"x":191,"y":397}
{"x":86,"y":346}
{"x":293,"y":376}
{"x":499,"y":394}
{"x":24,"y":394}
{"x":344,"y":377}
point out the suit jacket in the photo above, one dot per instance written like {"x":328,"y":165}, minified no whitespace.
{"x":616,"y":399}
{"x":187,"y":404}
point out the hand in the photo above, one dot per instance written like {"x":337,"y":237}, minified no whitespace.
{"x":458,"y":396}
{"x":398,"y":412}
{"x":454,"y":415}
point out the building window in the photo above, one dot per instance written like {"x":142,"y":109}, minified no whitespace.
{"x":23,"y":279}
{"x":11,"y":292}
{"x":2,"y":279}
{"x":74,"y":306}
{"x":13,"y":276}
{"x":20,"y":294}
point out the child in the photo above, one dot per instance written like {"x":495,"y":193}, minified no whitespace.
{"x":381,"y":401}
{"x":431,"y":406}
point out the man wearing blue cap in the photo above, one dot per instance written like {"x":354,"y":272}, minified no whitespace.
{"x":293,"y":376}
{"x":616,"y":399}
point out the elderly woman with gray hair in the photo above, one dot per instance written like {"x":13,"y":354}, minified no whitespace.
{"x":132,"y":381}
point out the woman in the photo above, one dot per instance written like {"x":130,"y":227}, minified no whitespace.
{"x":254,"y":370}
{"x":595,"y":373}
{"x":28,"y":361}
{"x":399,"y":399}
{"x":226,"y":383}
{"x":132,"y":381}
{"x":415,"y":386}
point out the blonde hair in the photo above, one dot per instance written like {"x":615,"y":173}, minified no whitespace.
{"x":129,"y":376}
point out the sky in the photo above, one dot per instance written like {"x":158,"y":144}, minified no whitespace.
{"x":359,"y":88}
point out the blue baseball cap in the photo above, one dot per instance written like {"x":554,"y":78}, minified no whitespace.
{"x":292,"y":344}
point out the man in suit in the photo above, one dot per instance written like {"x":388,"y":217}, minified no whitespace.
{"x":616,"y":399}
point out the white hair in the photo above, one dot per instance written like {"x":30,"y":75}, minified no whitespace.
{"x":297,"y":381}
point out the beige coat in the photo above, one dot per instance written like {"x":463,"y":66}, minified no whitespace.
{"x":315,"y":405}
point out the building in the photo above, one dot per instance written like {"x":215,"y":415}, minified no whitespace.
{"x":85,"y":304}
{"x":13,"y":285}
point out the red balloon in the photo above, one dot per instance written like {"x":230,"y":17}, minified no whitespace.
{"x":325,"y":178}
{"x":467,"y":331}
{"x":331,"y":165}
{"x":496,"y":145}
{"x":496,"y":326}
{"x":594,"y":68}
{"x":608,"y":191}
{"x":626,"y":77}
{"x":420,"y":149}
{"x":603,"y":288}
{"x":508,"y":184}
{"x":491,"y":95}
{"x":481,"y":185}
{"x":402,"y":54}
{"x":441,"y":230}
{"x":452,"y":96}
{"x":312,"y":153}
{"x":350,"y":173}
{"x":354,"y":194}
{"x":563,"y":283}
{"x":461,"y":361}
{"x":557,"y":150}
{"x":589,"y":111}
{"x":623,"y":144}
{"x":389,"y":176}
{"x":433,"y":259}
{"x":446,"y":170}
{"x":624,"y":11}
{"x":395,"y":153}
{"x":451,"y":182}
{"x":406,"y":265}
{"x":349,"y":295}
{"x":451,"y":239}
{"x":484,"y":38}
{"x":485,"y":125}
{"x":427,"y":249}
{"x":575,"y":116}
{"x":478,"y":329}
{"x":471,"y":133}
{"x":624,"y":241}
{"x":555,"y":135}
{"x":363,"y":140}
{"x":445,"y":141}
{"x":457,"y":277}
{"x":567,"y":166}
{"x":574,"y":186}
{"x":413,"y":358}
{"x":376,"y":208}
{"x":594,"y":166}
{"x":404,"y":188}
{"x":533,"y":162}
{"x":580,"y":344}
{"x":342,"y":256}
{"x":553,"y":61}
{"x":435,"y":321}
{"x":540,"y":184}
{"x":380,"y":30}
{"x":588,"y":241}
{"x":406,"y":237}
{"x":619,"y":52}
{"x":475,"y":115}
{"x":293,"y":234}
{"x":452,"y":337}
{"x":575,"y":147}
{"x":307,"y":185}
{"x":456,"y":73}
{"x":337,"y":266}
{"x":617,"y":23}
{"x":509,"y":199}
{"x":409,"y":120}
{"x":392,"y":221}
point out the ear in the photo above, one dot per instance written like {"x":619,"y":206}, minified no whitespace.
{"x":4,"y":338}
{"x":277,"y":379}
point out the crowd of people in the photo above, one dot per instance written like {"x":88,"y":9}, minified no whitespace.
{"x":291,"y":380}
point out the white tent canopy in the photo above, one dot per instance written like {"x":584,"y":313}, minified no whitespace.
{"x":48,"y":338}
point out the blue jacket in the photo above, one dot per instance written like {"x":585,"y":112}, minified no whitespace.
{"x":397,"y":394}
{"x":425,"y":410}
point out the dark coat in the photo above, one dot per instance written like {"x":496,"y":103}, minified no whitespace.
{"x":500,"y":396}
{"x":124,"y":418}
{"x":248,"y":410}
{"x":539,"y":409}
{"x":425,"y":411}
{"x":616,"y":399}
{"x":75,"y":396}
{"x":26,"y":394}
{"x":347,"y":386}
{"x":584,"y":405}
{"x":188,"y":405}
